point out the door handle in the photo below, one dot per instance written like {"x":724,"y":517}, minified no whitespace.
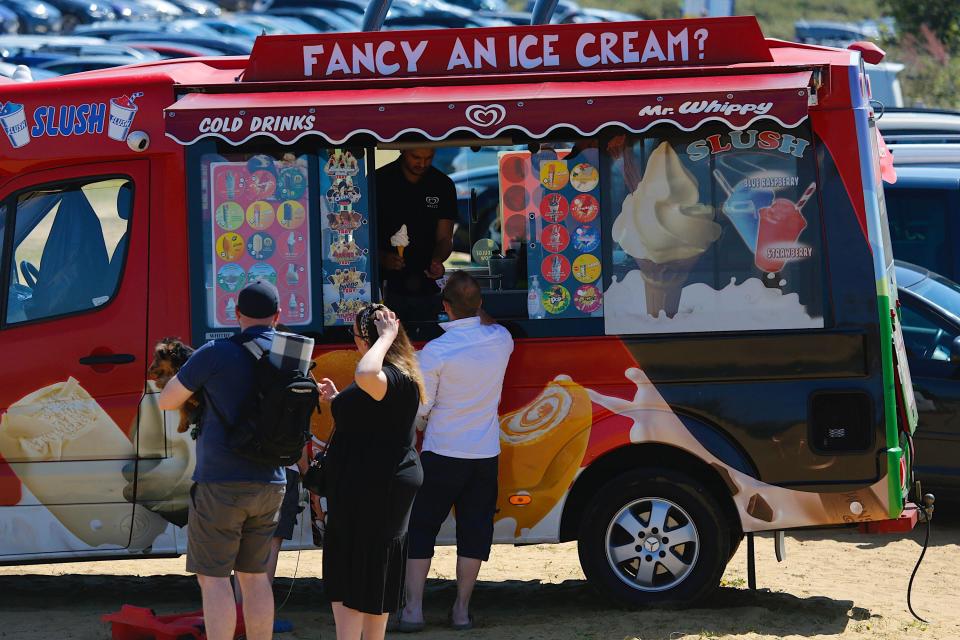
{"x":112,"y":358}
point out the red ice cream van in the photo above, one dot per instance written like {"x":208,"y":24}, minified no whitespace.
{"x":681,"y":222}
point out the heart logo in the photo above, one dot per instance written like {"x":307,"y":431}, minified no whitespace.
{"x":486,"y":115}
{"x":433,"y":200}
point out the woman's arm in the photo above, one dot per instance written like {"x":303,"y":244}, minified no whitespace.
{"x":369,"y":375}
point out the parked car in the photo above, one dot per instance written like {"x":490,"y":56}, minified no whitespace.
{"x":38,"y":56}
{"x":79,"y":64}
{"x":834,"y":34}
{"x":201,"y":8}
{"x":9,"y":22}
{"x":930,"y":317}
{"x":933,"y":126}
{"x":36,"y":16}
{"x":321,"y":20}
{"x":174,"y":50}
{"x":7,"y":70}
{"x":82,"y":12}
{"x":111,"y":30}
{"x":223,"y":45}
{"x":923,"y":208}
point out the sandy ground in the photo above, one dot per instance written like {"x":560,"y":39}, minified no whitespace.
{"x":833,"y":584}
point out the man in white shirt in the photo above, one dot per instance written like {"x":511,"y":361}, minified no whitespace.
{"x":463,"y":373}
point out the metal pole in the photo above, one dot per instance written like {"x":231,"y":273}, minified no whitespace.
{"x":543,"y":11}
{"x":375,"y":14}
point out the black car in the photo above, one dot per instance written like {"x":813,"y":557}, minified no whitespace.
{"x":930,"y":316}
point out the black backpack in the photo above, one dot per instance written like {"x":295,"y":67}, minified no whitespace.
{"x":274,"y":421}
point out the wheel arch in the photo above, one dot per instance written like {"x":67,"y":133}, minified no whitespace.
{"x":636,"y":456}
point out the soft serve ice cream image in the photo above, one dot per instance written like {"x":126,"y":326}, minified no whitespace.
{"x":400,"y":239}
{"x":665,"y":228}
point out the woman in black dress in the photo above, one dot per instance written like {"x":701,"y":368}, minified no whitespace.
{"x":372,"y":475}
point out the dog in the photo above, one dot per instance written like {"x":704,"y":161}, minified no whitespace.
{"x":168,"y":356}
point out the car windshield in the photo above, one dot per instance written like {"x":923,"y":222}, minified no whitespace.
{"x":940,"y":291}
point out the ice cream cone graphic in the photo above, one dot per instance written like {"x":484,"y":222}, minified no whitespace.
{"x":542,"y":447}
{"x":663,"y":284}
{"x":665,"y":228}
{"x":400,"y":251}
{"x":13,"y":119}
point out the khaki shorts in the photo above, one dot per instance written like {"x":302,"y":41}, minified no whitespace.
{"x":230,"y":525}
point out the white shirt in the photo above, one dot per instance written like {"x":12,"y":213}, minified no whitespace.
{"x":463,"y":374}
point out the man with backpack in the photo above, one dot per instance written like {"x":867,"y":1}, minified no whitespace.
{"x":256,"y":420}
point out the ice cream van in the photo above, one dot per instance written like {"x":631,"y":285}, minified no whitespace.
{"x":681,"y":222}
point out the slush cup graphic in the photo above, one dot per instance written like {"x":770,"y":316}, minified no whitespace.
{"x":122,"y":113}
{"x":14,"y":122}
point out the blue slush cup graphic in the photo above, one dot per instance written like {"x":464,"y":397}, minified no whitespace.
{"x":13,"y":119}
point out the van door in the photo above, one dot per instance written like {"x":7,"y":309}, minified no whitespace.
{"x":73,"y":334}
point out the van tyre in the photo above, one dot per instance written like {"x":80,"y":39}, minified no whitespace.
{"x":654,"y":537}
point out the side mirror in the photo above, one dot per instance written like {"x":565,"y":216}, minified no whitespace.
{"x":955,"y":351}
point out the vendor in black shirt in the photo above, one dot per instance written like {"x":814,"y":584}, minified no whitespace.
{"x":411,"y":192}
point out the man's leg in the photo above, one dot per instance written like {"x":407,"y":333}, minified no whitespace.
{"x":275,"y":544}
{"x":219,"y":608}
{"x":430,"y":508}
{"x":416,"y":579}
{"x":467,"y":571}
{"x":475,"y":508}
{"x":257,"y":605}
{"x":349,"y":622}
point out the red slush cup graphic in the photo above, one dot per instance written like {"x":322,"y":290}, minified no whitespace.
{"x":122,"y":112}
{"x":780,"y":227}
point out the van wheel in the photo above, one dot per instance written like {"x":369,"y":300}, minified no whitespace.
{"x":654,"y":537}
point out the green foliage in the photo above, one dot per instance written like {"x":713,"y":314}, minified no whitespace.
{"x":931,"y":76}
{"x":941,"y":17}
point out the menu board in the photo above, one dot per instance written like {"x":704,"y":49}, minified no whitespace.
{"x":261,"y":231}
{"x":346,"y":235}
{"x":563,"y":241}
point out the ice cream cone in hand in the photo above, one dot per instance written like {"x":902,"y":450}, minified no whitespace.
{"x":400,"y":240}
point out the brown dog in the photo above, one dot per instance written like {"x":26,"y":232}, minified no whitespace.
{"x":169,"y":355}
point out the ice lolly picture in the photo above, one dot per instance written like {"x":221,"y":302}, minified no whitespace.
{"x":62,"y":422}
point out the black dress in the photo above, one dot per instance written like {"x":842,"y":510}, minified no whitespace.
{"x":372,"y":476}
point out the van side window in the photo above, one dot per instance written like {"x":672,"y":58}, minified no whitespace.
{"x":69,"y":244}
{"x":920,"y":228}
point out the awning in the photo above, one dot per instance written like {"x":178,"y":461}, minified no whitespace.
{"x":490,"y":110}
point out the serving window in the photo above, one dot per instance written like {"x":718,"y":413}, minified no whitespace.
{"x":668,"y":231}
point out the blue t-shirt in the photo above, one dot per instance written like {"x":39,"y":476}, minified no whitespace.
{"x":225,"y":371}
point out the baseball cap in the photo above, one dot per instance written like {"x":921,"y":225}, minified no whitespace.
{"x":258,"y":300}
